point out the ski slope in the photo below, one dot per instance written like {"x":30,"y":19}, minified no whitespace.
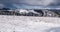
{"x":29,"y":24}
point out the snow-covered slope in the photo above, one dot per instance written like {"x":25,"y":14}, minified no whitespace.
{"x":29,"y":24}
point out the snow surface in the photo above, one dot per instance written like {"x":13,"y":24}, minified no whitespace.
{"x":29,"y":24}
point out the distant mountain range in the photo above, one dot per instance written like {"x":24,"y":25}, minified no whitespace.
{"x":31,"y":12}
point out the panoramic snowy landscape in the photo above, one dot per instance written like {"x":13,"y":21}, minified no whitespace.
{"x":29,"y":24}
{"x":29,"y":15}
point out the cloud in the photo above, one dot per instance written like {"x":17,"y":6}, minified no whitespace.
{"x":35,"y":3}
{"x":29,"y":2}
{"x":38,"y":2}
{"x":1,"y":5}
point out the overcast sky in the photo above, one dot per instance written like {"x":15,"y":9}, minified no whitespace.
{"x":30,"y":3}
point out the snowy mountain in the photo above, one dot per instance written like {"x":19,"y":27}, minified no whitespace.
{"x":38,"y":12}
{"x":31,"y":12}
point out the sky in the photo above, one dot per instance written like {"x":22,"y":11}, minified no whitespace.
{"x":37,"y":4}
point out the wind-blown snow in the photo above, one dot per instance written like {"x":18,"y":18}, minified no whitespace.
{"x":29,"y":24}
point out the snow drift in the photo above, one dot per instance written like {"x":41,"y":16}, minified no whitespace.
{"x":29,"y":24}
